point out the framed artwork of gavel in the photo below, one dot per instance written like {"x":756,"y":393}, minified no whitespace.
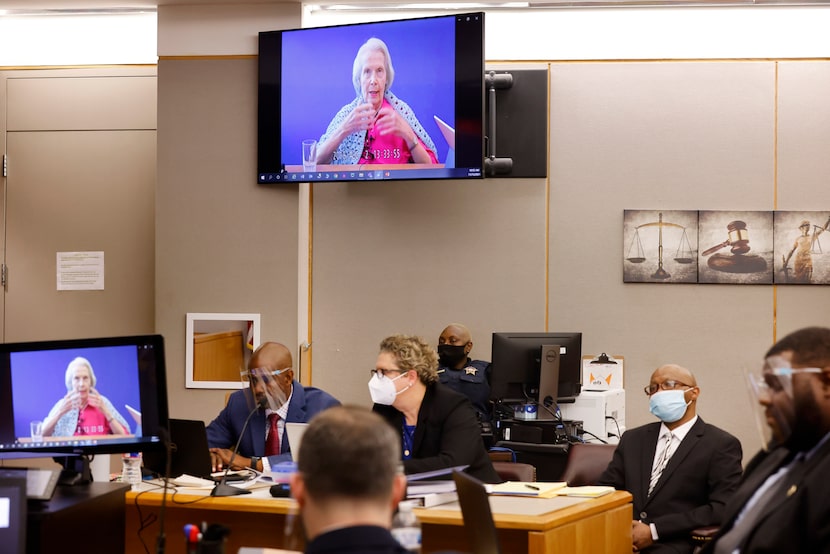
{"x":725,"y":247}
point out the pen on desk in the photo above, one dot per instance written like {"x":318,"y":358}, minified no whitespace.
{"x":531,"y":487}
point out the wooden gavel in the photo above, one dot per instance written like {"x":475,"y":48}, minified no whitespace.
{"x":738,"y":239}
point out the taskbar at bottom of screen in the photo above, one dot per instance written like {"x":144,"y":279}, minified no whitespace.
{"x":371,"y":175}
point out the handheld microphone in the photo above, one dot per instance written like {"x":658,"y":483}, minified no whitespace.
{"x":222,"y":488}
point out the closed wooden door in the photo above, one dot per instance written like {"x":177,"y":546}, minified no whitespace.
{"x":81,"y":154}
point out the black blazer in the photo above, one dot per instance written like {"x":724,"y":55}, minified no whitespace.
{"x":798,"y":521}
{"x":446,"y":435}
{"x":699,"y":479}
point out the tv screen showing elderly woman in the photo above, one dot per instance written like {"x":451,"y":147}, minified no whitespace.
{"x":375,"y":101}
{"x":75,"y":393}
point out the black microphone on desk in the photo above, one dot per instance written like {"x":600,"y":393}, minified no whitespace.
{"x":222,"y":488}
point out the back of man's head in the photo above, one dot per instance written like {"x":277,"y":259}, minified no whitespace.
{"x":349,"y":452}
{"x":809,"y":346}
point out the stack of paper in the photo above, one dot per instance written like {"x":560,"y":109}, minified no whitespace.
{"x":526,"y":488}
{"x":585,"y":492}
{"x":432,"y":493}
{"x":429,"y":487}
{"x":186,"y":480}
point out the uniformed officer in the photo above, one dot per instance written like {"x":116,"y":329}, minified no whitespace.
{"x":462,"y":374}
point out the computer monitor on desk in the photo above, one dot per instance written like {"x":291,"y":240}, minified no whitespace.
{"x":39,"y":381}
{"x":536,"y":367}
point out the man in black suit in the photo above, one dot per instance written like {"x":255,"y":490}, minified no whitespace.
{"x":783,"y":502}
{"x":680,"y":471}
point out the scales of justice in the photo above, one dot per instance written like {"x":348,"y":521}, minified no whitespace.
{"x":683,"y":255}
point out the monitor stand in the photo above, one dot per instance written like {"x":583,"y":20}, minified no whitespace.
{"x":76,"y":470}
{"x":549,"y":376}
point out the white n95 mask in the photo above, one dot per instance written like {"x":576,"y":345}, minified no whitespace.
{"x":382,"y":389}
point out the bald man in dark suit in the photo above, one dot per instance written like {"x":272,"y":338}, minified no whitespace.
{"x":680,"y":471}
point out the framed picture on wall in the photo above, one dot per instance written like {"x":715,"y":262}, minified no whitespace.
{"x":800,"y":257}
{"x":217,"y":349}
{"x":736,"y":247}
{"x":660,"y":246}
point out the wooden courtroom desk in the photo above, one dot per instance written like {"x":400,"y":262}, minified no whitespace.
{"x":596,"y":525}
{"x":255,"y":519}
{"x":79,"y":519}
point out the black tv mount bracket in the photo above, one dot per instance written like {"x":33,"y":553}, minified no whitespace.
{"x":493,"y":165}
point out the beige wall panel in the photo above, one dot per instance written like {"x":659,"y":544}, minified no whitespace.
{"x":660,"y":136}
{"x":407,"y":257}
{"x":216,"y":30}
{"x":65,"y":196}
{"x":804,"y":175}
{"x":82,"y":103}
{"x":224,"y":244}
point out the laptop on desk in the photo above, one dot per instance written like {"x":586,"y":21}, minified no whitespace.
{"x":13,"y":513}
{"x":189,"y":453}
{"x":295,"y":433}
{"x":40,"y":483}
{"x":477,"y":515}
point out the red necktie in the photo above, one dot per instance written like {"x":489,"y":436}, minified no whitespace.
{"x":272,"y":443}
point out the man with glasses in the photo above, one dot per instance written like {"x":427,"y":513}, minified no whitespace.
{"x":783,"y":502}
{"x":272,"y":399}
{"x":680,"y":470}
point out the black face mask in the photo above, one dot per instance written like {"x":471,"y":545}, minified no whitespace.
{"x":450,"y":355}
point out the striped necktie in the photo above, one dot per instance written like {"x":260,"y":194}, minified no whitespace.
{"x":662,"y":461}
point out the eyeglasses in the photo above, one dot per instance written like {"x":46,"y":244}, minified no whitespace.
{"x":383,"y":372}
{"x":669,"y":384}
{"x":367,"y":147}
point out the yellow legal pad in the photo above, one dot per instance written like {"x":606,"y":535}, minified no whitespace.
{"x":526,"y":488}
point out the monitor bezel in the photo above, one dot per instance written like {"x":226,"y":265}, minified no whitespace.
{"x":153,"y":379}
{"x":467,"y":119}
{"x":508,"y":347}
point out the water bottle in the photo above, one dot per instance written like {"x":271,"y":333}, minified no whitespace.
{"x":131,"y":469}
{"x":406,"y":528}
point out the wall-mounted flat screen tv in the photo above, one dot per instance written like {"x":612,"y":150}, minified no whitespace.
{"x":392,"y":100}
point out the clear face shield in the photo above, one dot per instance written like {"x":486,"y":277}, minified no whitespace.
{"x":771,"y":389}
{"x":267,"y":385}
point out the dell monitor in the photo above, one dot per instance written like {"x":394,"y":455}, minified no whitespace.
{"x":536,"y":367}
{"x":82,"y":397}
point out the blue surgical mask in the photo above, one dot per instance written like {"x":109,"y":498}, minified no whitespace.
{"x":668,"y":405}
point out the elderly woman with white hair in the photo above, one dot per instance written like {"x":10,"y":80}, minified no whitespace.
{"x":83,"y":411}
{"x":376,"y":127}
